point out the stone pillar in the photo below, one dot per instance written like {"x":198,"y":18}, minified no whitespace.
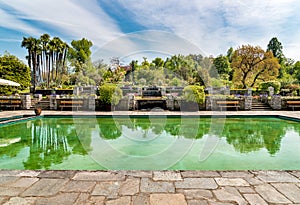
{"x":249,"y":91}
{"x":38,"y":96}
{"x":271,"y":91}
{"x":76,"y":90}
{"x":53,"y":102}
{"x":275,"y":102}
{"x":131,"y":102}
{"x":163,"y":91}
{"x":26,"y":102}
{"x":247,"y":102}
{"x":208,"y":103}
{"x":92,"y":102}
{"x":170,"y":102}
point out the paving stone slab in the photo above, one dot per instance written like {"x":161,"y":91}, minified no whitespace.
{"x":78,"y":186}
{"x":141,"y":199}
{"x":45,"y":187}
{"x":291,"y":191}
{"x":99,"y":176}
{"x":296,"y":173}
{"x":24,"y":182}
{"x":56,"y":174}
{"x":20,"y":201}
{"x":166,"y":176}
{"x":221,"y":203}
{"x":196,"y":193}
{"x":108,"y":189}
{"x":254,"y":181}
{"x":229,"y":194}
{"x":231,"y":182}
{"x":167,"y":199}
{"x":125,"y":200}
{"x":97,"y":200}
{"x":62,"y":198}
{"x":196,"y":183}
{"x":197,"y":202}
{"x":83,"y":198}
{"x":276,"y":176}
{"x":246,"y":190}
{"x":149,"y":186}
{"x":6,"y":180}
{"x":271,"y":195}
{"x":10,"y":191}
{"x":146,"y":174}
{"x":28,"y":173}
{"x":196,"y":174}
{"x":254,"y":199}
{"x":236,"y":174}
{"x":9,"y":172}
{"x":3,"y":199}
{"x":130,"y":187}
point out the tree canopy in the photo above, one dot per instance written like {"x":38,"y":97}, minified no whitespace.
{"x":252,"y":65}
{"x":11,"y":68}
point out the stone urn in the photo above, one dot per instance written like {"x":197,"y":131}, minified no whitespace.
{"x":38,"y":111}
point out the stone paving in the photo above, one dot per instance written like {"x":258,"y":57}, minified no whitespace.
{"x":149,"y":187}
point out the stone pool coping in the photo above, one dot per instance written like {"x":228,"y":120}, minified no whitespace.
{"x":291,"y":114}
{"x":150,"y":187}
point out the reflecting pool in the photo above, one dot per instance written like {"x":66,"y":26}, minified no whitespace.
{"x":151,"y":143}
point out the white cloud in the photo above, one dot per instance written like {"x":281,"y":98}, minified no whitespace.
{"x":73,"y":18}
{"x":212,"y":25}
{"x":216,"y":25}
{"x":12,"y":22}
{"x":145,"y":44}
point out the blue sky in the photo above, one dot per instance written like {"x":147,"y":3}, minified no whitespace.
{"x":163,"y":27}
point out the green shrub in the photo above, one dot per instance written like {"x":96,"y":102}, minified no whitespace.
{"x":194,"y":93}
{"x":275,"y":84}
{"x":110,"y":94}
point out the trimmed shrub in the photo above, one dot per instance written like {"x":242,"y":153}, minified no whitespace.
{"x":194,"y":93}
{"x":110,"y":94}
{"x":275,"y":84}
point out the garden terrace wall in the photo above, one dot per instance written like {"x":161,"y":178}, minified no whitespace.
{"x":57,"y":92}
{"x":245,"y":102}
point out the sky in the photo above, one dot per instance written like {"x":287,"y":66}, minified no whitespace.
{"x":139,"y":28}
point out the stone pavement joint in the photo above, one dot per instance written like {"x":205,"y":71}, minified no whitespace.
{"x":149,"y":187}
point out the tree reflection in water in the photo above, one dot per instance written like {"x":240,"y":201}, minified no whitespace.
{"x":50,"y":141}
{"x":245,"y":134}
{"x":252,"y":134}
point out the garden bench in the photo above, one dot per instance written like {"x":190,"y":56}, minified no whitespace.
{"x":71,"y":104}
{"x":228,"y":104}
{"x":293,"y":104}
{"x":10,"y":103}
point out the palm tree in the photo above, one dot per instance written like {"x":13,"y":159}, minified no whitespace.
{"x":34,"y":50}
{"x":45,"y":39}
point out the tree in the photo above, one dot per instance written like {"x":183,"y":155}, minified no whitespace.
{"x":34,"y":51}
{"x":46,"y":59}
{"x":276,"y":48}
{"x":230,"y":53}
{"x":297,"y":70}
{"x":11,"y":68}
{"x":158,"y":62}
{"x":252,"y":65}
{"x":45,"y":39}
{"x":222,"y":66}
{"x":80,"y":53}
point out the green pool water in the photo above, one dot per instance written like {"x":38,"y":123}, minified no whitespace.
{"x":151,"y":143}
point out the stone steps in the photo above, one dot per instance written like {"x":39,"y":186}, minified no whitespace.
{"x":256,"y":106}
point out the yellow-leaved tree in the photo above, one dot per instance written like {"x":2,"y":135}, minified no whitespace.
{"x":252,"y":65}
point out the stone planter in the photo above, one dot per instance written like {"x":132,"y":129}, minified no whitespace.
{"x":37,"y":111}
{"x":189,"y":106}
